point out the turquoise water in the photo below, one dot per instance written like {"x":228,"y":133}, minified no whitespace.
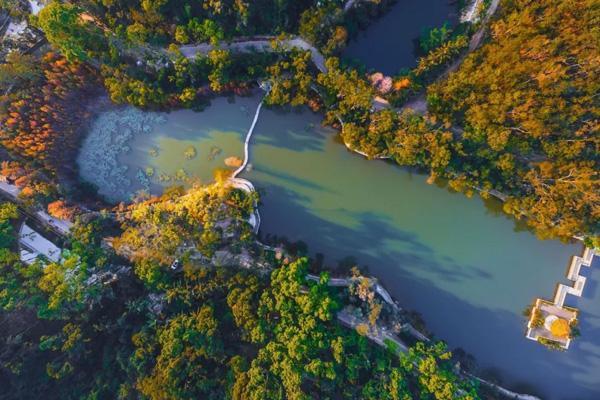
{"x":159,"y":152}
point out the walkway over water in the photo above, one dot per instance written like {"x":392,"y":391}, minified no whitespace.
{"x":573,"y":274}
{"x":265,"y":86}
{"x":544,"y":309}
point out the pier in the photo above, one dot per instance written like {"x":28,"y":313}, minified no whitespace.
{"x":573,"y":275}
{"x":546,"y":316}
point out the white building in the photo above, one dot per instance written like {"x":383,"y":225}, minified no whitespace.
{"x":34,"y":245}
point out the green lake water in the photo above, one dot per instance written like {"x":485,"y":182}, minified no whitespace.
{"x":214,"y":136}
{"x":464,"y":266}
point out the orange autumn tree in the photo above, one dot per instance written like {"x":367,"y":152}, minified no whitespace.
{"x":42,"y":123}
{"x":528,"y":102}
{"x":29,"y":180}
{"x":61,"y":210}
{"x":560,"y":328}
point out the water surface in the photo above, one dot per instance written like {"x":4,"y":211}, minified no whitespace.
{"x":390,"y":43}
{"x":459,"y":262}
{"x":159,"y":151}
{"x":462,"y":265}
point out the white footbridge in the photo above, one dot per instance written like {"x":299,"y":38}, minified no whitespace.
{"x":573,"y":274}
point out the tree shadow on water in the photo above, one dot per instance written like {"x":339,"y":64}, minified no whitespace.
{"x":296,"y":130}
{"x":295,"y":180}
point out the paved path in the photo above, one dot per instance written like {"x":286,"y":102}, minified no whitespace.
{"x":249,"y":136}
{"x":257,"y":43}
{"x":263,"y":43}
{"x":576,"y":289}
{"x":376,"y":334}
{"x":349,"y":4}
{"x":382,"y":337}
{"x":60,"y":227}
{"x":470,"y":14}
{"x":476,"y":39}
{"x":419,"y":103}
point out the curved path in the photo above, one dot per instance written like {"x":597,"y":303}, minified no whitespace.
{"x":419,"y":103}
{"x":257,"y":43}
{"x":245,"y":184}
{"x":382,"y":336}
{"x":264,"y":43}
{"x":470,"y":13}
{"x":249,"y":135}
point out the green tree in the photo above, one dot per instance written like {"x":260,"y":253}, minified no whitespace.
{"x":433,"y":38}
{"x":66,"y":29}
{"x":189,"y":362}
{"x":434,"y":373}
{"x":8,"y":212}
{"x":528,"y":103}
{"x":19,"y":69}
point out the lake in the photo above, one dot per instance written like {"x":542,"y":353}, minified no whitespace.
{"x":459,"y":262}
{"x":463,"y":265}
{"x":390,"y":43}
{"x":128,"y":150}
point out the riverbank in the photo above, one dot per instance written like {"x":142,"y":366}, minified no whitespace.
{"x":482,"y":251}
{"x":390,"y":44}
{"x":373,"y":334}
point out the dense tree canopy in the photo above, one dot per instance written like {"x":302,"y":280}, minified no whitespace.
{"x":528,"y":101}
{"x":77,"y":37}
{"x":174,"y":313}
{"x":163,"y":21}
{"x":157,"y":230}
{"x":41,"y":122}
{"x":100,"y":330}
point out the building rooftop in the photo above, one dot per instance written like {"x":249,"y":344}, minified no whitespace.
{"x":34,"y":243}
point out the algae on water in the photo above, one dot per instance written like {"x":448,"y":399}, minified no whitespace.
{"x":190,"y":153}
{"x":108,"y":138}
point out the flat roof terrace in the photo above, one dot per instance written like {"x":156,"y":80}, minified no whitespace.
{"x":543,"y":316}
{"x":552,"y":323}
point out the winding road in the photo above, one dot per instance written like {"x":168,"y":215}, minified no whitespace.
{"x":257,"y":44}
{"x":266,"y":44}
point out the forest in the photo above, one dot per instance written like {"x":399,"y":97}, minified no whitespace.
{"x":528,"y":103}
{"x":94,"y":327}
{"x":119,"y":318}
{"x":529,"y":135}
